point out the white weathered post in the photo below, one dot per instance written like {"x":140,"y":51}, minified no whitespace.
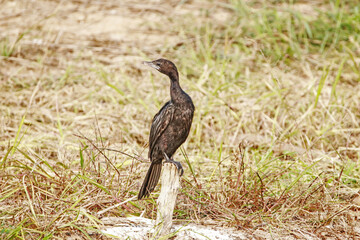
{"x":170,"y":184}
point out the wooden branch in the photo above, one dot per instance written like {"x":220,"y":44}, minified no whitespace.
{"x":170,"y":184}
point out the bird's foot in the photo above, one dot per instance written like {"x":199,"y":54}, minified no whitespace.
{"x":177,"y":164}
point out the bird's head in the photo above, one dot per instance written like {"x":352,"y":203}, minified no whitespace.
{"x":164,"y":66}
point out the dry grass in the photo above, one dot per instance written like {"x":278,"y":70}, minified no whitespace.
{"x":275,"y":140}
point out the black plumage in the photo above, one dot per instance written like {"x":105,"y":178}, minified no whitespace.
{"x":170,"y":126}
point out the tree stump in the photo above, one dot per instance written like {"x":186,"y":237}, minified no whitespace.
{"x":170,"y":184}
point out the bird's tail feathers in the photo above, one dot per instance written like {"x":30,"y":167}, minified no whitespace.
{"x":151,"y":180}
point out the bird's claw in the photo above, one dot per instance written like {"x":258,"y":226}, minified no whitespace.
{"x":179,"y":167}
{"x":177,"y":164}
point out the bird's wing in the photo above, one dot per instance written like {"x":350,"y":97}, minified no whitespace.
{"x":160,"y":123}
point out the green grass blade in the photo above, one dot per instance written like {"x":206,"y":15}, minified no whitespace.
{"x":5,"y":157}
{"x":93,"y":182}
{"x":18,"y":134}
{"x":321,"y":84}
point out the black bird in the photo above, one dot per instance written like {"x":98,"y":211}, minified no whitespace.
{"x":170,"y":126}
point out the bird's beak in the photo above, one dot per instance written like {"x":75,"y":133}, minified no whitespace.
{"x":151,"y":64}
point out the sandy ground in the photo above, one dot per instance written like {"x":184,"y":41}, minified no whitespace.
{"x":139,"y":228}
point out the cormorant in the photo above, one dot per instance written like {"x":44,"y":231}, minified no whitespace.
{"x":170,"y":126}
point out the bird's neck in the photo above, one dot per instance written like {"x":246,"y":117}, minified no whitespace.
{"x":175,"y":90}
